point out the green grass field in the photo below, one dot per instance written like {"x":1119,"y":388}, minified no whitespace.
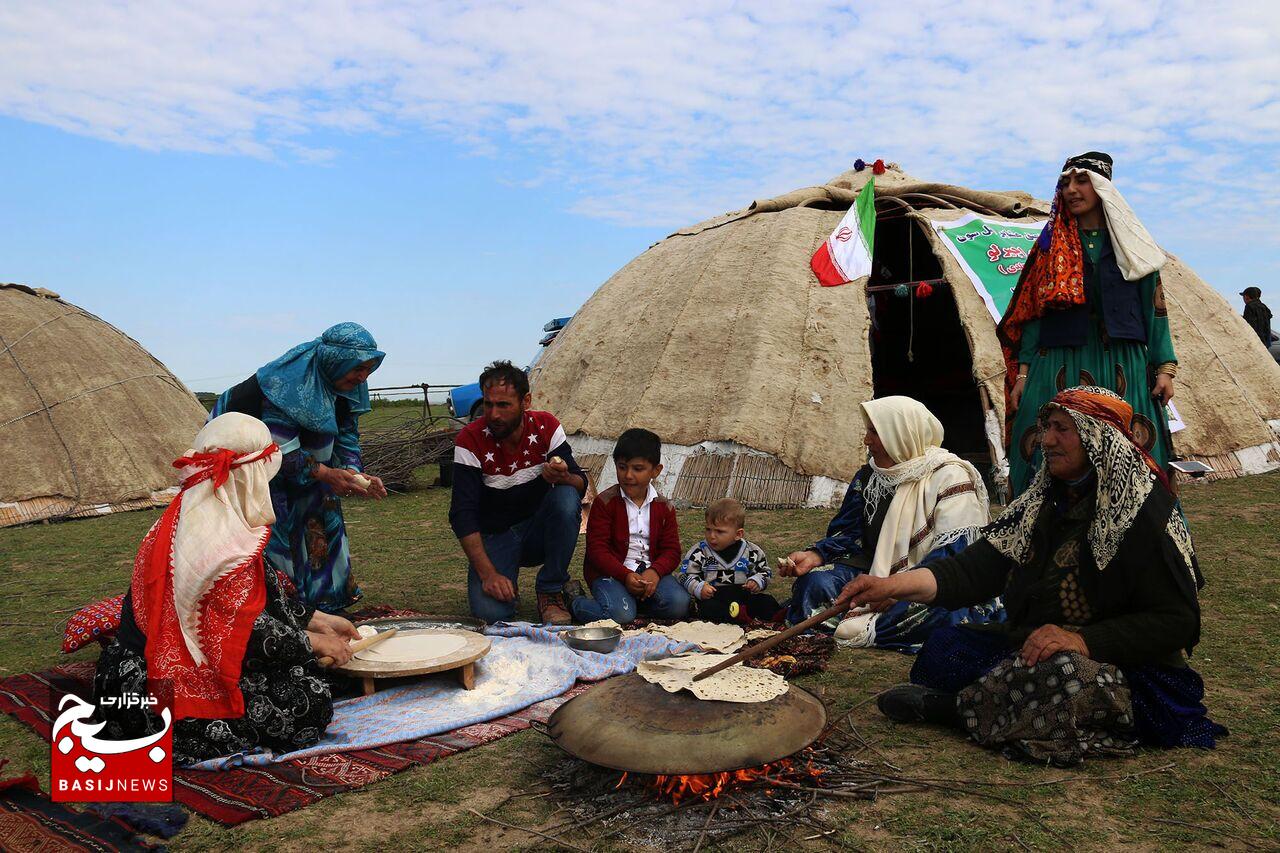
{"x":407,"y":556}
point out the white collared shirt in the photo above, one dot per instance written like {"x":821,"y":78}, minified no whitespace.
{"x":638,"y":529}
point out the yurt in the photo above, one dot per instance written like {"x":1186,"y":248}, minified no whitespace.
{"x":90,"y":422}
{"x":720,"y":339}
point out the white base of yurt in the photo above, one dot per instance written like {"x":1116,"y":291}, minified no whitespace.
{"x":58,"y":509}
{"x":698,"y":474}
{"x":1259,"y":459}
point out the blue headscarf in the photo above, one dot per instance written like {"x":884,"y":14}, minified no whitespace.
{"x":300,"y":382}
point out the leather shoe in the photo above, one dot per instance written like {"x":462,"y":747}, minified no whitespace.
{"x":912,"y":703}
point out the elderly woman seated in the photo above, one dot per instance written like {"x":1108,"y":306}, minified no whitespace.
{"x":205,"y":619}
{"x":1099,"y":580}
{"x":911,"y":503}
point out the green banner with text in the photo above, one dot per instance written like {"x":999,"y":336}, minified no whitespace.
{"x":992,"y":253}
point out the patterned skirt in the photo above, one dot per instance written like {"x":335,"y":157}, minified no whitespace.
{"x":286,"y":708}
{"x":1121,"y":367}
{"x":1066,"y":708}
{"x":309,"y":544}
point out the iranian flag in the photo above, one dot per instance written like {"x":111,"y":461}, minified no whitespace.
{"x":846,"y":254}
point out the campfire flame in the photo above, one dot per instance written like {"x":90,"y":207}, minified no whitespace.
{"x":708,"y":786}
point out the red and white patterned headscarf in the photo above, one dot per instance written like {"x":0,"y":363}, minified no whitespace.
{"x":198,"y":581}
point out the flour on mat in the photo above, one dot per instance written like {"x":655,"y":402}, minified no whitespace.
{"x":497,"y":677}
{"x":735,"y":684}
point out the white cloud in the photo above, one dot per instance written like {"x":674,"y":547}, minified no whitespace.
{"x":667,"y":112}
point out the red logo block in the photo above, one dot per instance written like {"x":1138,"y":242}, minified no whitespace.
{"x":89,"y":769}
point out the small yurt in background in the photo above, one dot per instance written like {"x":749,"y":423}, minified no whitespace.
{"x":90,"y":422}
{"x":720,"y":339}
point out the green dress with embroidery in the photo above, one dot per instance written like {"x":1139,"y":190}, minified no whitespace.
{"x":1122,"y":366}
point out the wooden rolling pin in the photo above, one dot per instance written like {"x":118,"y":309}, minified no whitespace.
{"x":361,"y":645}
{"x":765,"y":645}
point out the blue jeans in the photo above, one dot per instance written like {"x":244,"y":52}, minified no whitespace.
{"x":547,"y":538}
{"x":612,"y":601}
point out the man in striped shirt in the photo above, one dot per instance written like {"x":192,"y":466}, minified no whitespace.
{"x":517,"y":500}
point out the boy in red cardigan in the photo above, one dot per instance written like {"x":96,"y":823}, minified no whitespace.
{"x":633,"y":541}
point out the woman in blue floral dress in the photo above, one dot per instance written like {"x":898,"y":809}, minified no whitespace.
{"x":312,"y":398}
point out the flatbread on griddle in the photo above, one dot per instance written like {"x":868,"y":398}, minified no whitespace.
{"x":734,"y":684}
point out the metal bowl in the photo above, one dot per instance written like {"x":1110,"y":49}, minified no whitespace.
{"x":602,"y":640}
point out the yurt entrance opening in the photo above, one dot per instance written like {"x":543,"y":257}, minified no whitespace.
{"x":918,"y":346}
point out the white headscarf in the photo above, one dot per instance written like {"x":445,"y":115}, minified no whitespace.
{"x":937,"y":496}
{"x":1136,"y":251}
{"x":219,"y":529}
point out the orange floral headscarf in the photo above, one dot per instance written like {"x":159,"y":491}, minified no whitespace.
{"x":1052,"y":278}
{"x":1111,"y":409}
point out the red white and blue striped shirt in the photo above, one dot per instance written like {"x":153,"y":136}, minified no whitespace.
{"x":494,"y":489}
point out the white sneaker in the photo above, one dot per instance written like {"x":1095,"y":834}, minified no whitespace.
{"x":858,"y":631}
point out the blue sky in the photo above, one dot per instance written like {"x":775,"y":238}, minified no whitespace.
{"x":223,"y":183}
{"x":218,"y":263}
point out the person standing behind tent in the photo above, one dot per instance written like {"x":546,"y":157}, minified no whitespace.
{"x":312,"y":398}
{"x":1257,"y":315}
{"x":1089,"y":309}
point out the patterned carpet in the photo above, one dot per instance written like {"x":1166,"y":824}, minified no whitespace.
{"x":31,"y":823}
{"x":235,"y":796}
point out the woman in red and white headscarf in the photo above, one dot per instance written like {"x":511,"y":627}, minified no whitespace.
{"x":1099,"y":579}
{"x":205,"y":623}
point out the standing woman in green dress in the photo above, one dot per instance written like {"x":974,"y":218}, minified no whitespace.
{"x":1089,"y":309}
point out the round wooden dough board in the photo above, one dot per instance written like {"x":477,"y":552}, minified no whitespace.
{"x":463,"y":659}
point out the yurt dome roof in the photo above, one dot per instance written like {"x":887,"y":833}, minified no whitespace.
{"x":720,"y":339}
{"x":90,"y":422}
